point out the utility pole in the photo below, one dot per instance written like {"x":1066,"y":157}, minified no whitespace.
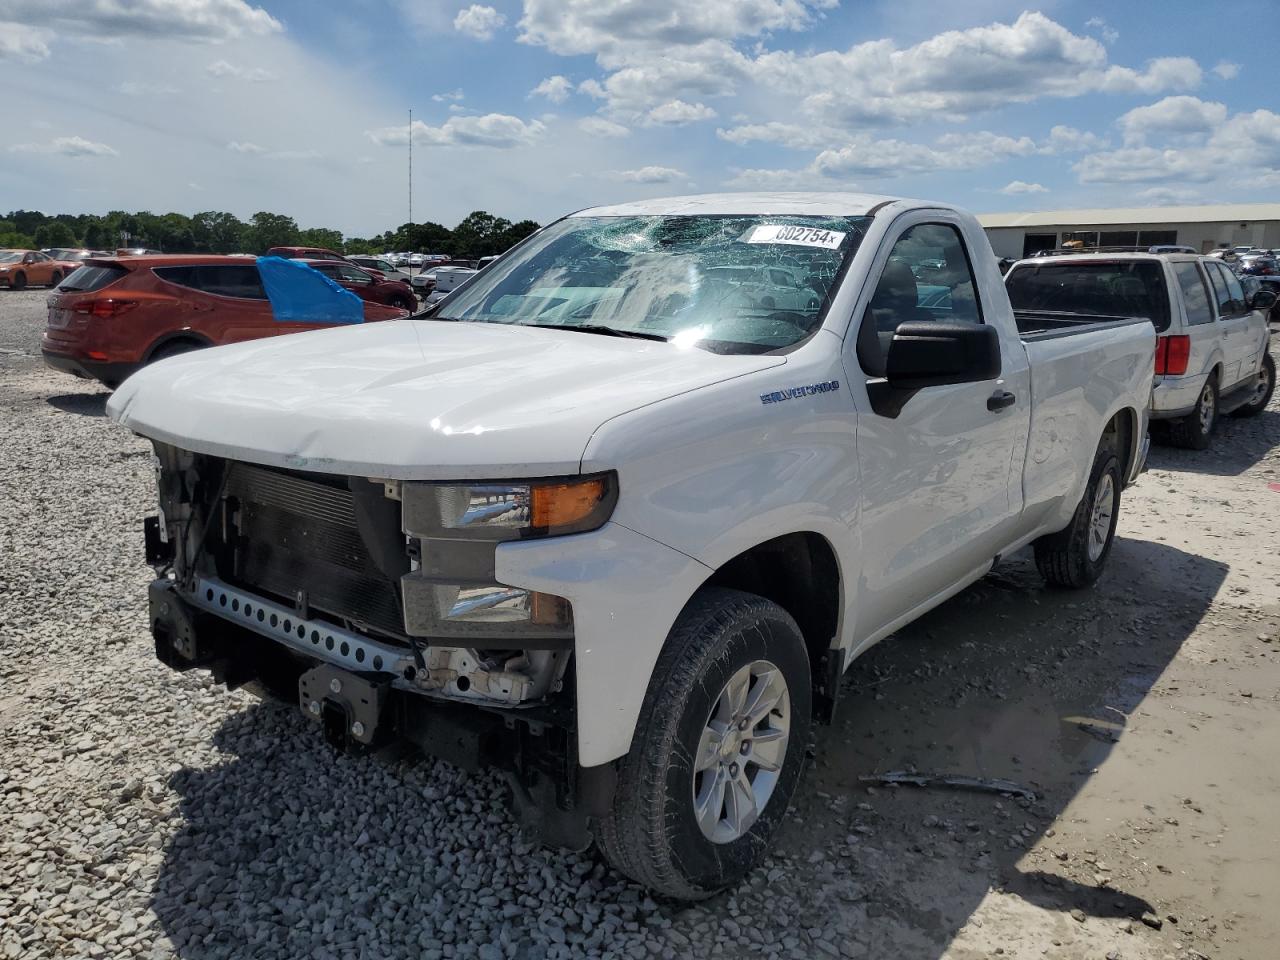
{"x":411,"y":180}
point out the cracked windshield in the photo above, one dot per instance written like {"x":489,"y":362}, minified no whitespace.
{"x":727,"y":284}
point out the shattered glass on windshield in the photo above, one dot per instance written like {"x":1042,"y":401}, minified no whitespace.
{"x":727,"y":284}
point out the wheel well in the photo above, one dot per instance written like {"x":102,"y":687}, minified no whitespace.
{"x":1118,"y":433}
{"x":799,"y":573}
{"x":191,"y":338}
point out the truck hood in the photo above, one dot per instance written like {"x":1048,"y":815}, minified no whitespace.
{"x":413,"y":399}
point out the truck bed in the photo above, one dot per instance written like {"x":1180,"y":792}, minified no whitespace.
{"x":1048,"y":324}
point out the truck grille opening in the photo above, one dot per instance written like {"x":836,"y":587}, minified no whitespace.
{"x":296,"y":532}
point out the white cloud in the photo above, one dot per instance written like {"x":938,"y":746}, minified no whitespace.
{"x":1018,"y":187}
{"x":1172,"y":116}
{"x":67,"y":147}
{"x":611,"y":28}
{"x":1240,"y":149}
{"x":556,"y":89}
{"x":1227,"y":70}
{"x":252,"y":149}
{"x":651,"y":175}
{"x":496,"y":130}
{"x":449,"y":97}
{"x":221,"y":68}
{"x":1109,"y":34}
{"x":478,"y":21}
{"x":600,"y":127}
{"x":678,"y":113}
{"x":204,"y":20}
{"x":132,"y":88}
{"x":1064,"y":139}
{"x":1170,"y":195}
{"x":238,"y":146}
{"x":960,"y":72}
{"x":18,"y":41}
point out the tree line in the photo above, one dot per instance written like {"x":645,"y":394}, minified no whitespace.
{"x":480,"y":234}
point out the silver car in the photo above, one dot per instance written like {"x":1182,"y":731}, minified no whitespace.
{"x":1212,"y":355}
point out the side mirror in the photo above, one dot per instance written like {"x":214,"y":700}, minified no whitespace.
{"x":933,"y":353}
{"x":1263,"y":300}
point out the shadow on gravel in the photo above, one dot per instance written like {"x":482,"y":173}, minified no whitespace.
{"x":85,"y":404}
{"x":1239,"y":443}
{"x":1008,"y":680}
{"x":288,"y":849}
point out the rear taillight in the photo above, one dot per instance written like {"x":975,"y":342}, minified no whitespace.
{"x":106,"y":307}
{"x":1172,"y":354}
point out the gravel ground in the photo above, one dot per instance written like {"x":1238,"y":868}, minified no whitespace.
{"x":147,"y":813}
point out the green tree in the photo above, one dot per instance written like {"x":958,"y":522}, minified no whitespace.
{"x":517,"y":232}
{"x":13,"y":240}
{"x":55,"y":234}
{"x":321,"y":237}
{"x":214,"y":231}
{"x":428,"y":237}
{"x":479,"y":235}
{"x":268,"y":230}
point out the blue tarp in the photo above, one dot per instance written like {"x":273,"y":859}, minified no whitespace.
{"x":299,"y":294}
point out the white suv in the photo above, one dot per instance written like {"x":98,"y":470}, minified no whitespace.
{"x":1212,"y":354}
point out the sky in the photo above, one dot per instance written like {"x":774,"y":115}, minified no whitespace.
{"x":533,"y":109}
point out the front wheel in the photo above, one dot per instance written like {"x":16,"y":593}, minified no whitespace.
{"x":55,"y":279}
{"x":718,"y":750}
{"x":1075,"y":557}
{"x":19,"y":282}
{"x":1194,"y":431}
{"x":1263,"y":387}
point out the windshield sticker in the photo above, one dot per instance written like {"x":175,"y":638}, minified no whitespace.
{"x":794,"y":236}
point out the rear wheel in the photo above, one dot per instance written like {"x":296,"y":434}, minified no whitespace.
{"x":1264,"y":386}
{"x":1194,"y":431}
{"x":403,"y":303}
{"x":718,"y":750}
{"x":1075,"y":556}
{"x":19,"y":281}
{"x":56,"y":279}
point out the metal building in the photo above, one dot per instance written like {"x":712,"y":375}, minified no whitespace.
{"x":1203,"y":227}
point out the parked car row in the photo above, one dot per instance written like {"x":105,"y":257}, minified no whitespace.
{"x":114,"y":315}
{"x":20,"y":269}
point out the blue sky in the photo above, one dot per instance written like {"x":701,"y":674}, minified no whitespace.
{"x":535,"y":108}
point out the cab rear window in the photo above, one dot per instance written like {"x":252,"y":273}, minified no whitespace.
{"x":239,"y":280}
{"x":1131,"y":288}
{"x":88,"y":279}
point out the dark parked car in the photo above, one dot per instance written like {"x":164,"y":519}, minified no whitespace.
{"x":366,"y":284}
{"x":1259,"y":265}
{"x":305,"y":253}
{"x":113,"y":315}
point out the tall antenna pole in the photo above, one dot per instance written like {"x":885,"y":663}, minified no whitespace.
{"x":411,"y":177}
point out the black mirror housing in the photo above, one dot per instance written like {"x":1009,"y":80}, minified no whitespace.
{"x":1262,"y":300}
{"x":933,"y":353}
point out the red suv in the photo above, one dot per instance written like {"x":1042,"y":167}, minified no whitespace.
{"x":112,"y":315}
{"x":366,"y":284}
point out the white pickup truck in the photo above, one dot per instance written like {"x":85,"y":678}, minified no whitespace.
{"x":616,"y":524}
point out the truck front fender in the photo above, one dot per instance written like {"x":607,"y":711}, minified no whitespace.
{"x":627,"y":590}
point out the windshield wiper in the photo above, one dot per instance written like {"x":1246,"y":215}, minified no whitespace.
{"x":601,"y":329}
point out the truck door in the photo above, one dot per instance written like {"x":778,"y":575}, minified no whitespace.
{"x":941,"y":480}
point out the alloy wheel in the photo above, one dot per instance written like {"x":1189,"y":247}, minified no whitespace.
{"x":741,"y":751}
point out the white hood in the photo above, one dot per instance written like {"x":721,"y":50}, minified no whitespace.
{"x":413,"y":399}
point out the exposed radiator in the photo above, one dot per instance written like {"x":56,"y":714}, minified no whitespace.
{"x":296,"y":534}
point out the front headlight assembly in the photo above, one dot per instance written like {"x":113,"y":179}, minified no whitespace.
{"x":454,"y":530}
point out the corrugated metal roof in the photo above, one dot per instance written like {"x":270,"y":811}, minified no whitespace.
{"x":1211,"y":213}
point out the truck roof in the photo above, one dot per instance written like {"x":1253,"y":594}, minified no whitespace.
{"x":809,"y":203}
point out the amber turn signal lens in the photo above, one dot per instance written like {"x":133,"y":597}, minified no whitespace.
{"x":558,"y":505}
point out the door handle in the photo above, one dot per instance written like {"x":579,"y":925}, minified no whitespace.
{"x":1000,"y":399}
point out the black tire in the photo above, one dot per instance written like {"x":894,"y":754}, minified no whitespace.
{"x":1194,"y":431}
{"x":1265,"y":387}
{"x":57,"y":279}
{"x":19,"y":281}
{"x":404,"y":305}
{"x":652,"y":834}
{"x":174,"y":348}
{"x":1065,"y":559}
